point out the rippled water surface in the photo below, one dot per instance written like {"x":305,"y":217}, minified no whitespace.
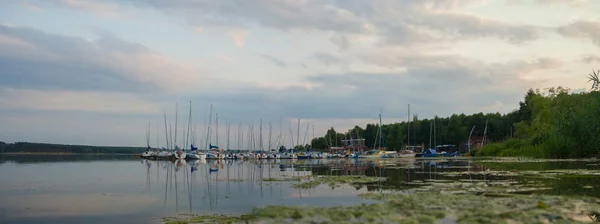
{"x":125,"y":189}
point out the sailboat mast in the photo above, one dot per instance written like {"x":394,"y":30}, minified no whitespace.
{"x":430,"y":133}
{"x":187,"y":139}
{"x":298,"y":134}
{"x":148,"y":135}
{"x":176,"y":114}
{"x":484,"y":132}
{"x":260,"y":136}
{"x":217,"y":130}
{"x":313,"y":137}
{"x":171,"y":135}
{"x":408,"y":136}
{"x":166,"y":131}
{"x":227,"y":122}
{"x":280,"y":138}
{"x":435,"y":132}
{"x":469,"y":141}
{"x":207,"y":143}
{"x":380,"y":130}
{"x":270,"y":132}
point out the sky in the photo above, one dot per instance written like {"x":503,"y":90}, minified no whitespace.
{"x":98,"y":72}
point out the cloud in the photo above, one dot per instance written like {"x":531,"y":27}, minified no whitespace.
{"x":396,"y":21}
{"x":341,"y":41}
{"x":33,"y":59}
{"x":572,"y":3}
{"x":589,"y":58}
{"x":274,"y":60}
{"x":238,"y":37}
{"x":86,"y":101}
{"x":463,"y":26}
{"x":428,"y":82}
{"x":325,"y":58}
{"x":355,"y":57}
{"x":586,"y":30}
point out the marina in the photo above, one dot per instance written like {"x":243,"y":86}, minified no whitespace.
{"x":112,"y":188}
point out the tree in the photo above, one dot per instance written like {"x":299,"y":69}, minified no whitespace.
{"x":595,"y":80}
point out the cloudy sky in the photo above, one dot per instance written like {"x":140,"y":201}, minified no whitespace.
{"x":96,"y":72}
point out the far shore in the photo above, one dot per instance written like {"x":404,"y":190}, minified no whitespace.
{"x":66,"y":153}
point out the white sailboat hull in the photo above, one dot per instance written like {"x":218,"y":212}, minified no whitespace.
{"x":163,"y":154}
{"x":407,"y":155}
{"x":180,"y":155}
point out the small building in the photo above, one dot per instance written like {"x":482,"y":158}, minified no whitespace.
{"x":354,"y":144}
{"x":416,"y":148}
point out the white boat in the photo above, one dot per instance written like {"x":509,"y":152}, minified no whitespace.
{"x":215,"y":156}
{"x":406,"y":154}
{"x":196,"y":155}
{"x":180,"y":154}
{"x":374,"y":155}
{"x":148,"y":154}
{"x":163,"y":154}
{"x":286,"y":155}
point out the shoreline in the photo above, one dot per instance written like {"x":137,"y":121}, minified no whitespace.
{"x":65,"y":153}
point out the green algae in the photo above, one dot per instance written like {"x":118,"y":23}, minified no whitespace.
{"x":194,"y":218}
{"x":432,"y":207}
{"x":531,"y":160}
{"x":454,"y":202}
{"x":284,"y":178}
{"x":336,"y":181}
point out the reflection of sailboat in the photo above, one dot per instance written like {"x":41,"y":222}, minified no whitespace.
{"x":148,"y":165}
{"x":214,"y":167}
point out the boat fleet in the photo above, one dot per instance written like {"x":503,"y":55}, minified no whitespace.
{"x":195,"y":154}
{"x":215,"y":153}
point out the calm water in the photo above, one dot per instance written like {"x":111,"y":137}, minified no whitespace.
{"x":125,"y":189}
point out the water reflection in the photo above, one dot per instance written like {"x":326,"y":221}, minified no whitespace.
{"x":107,"y":188}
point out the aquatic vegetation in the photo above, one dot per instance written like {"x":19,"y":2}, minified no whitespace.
{"x":230,"y":180}
{"x":284,"y":178}
{"x":193,"y":218}
{"x":530,"y":160}
{"x":485,"y":172}
{"x":497,"y":188}
{"x":431,"y":208}
{"x":335,"y":181}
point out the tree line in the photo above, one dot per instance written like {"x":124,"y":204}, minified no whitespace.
{"x":549,"y":123}
{"x":559,"y":124}
{"x":452,"y":130}
{"x":28,"y":147}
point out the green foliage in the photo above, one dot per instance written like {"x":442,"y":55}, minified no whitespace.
{"x":552,"y":123}
{"x":562,"y":125}
{"x":450,"y":130}
{"x":595,"y":80}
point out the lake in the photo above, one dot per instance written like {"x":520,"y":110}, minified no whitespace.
{"x":126,"y":189}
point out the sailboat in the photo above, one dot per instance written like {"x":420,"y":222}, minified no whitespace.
{"x":431,"y":152}
{"x":148,"y":153}
{"x":374,"y":153}
{"x":194,"y":153}
{"x":407,"y":153}
{"x":179,"y":153}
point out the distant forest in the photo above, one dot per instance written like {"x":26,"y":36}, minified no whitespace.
{"x":27,"y":147}
{"x":566,"y":123}
{"x":553,"y":123}
{"x":453,"y":130}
